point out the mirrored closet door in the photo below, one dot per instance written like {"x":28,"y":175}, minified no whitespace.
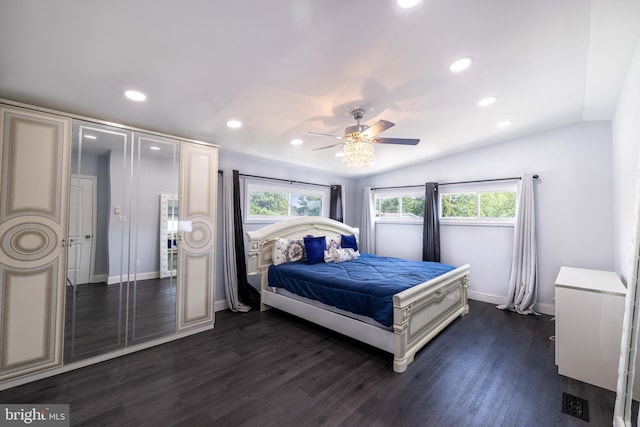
{"x":116,"y":294}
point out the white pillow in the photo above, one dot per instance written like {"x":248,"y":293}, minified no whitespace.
{"x":340,"y":255}
{"x":285,"y":250}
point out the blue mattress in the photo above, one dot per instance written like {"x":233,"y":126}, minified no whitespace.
{"x":364,"y":286}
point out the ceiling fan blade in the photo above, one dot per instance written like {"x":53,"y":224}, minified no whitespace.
{"x":324,"y":134}
{"x":376,"y":128}
{"x":399,"y":141}
{"x":328,"y":146}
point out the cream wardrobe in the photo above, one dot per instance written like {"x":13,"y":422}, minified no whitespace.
{"x":47,"y":182}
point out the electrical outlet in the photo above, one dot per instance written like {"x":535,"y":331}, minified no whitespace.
{"x":137,"y":263}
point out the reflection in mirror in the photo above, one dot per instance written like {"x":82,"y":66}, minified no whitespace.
{"x":94,"y":310}
{"x":153,"y":294}
{"x":168,"y":235}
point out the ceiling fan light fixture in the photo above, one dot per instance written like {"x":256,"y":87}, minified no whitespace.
{"x":358,"y":154}
{"x":296,"y":141}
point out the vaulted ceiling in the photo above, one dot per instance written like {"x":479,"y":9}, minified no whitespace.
{"x":287,"y":67}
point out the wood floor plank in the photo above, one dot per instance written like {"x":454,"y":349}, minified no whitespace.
{"x":489,"y":368}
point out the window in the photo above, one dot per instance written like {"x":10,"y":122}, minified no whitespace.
{"x":393,"y":206}
{"x":273,"y":202}
{"x":481,"y":205}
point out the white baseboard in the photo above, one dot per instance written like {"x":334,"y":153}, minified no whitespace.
{"x":140,"y":276}
{"x":540,"y":307}
{"x":220,"y":305}
{"x":98,"y":278}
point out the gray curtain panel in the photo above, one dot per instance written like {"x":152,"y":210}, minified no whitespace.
{"x":431,"y":228}
{"x":367,"y":223}
{"x":523,"y":279}
{"x":336,"y":210}
{"x":229,"y":256}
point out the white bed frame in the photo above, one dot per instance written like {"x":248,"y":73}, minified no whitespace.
{"x":419,"y":313}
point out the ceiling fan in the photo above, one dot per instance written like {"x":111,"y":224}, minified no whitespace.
{"x":358,"y":140}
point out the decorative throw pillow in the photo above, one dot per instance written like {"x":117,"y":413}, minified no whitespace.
{"x":314,"y":248}
{"x":287,"y":250}
{"x":334,"y":242}
{"x":349,"y":241}
{"x":340,"y":255}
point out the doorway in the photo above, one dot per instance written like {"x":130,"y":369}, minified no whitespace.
{"x":82,"y":230}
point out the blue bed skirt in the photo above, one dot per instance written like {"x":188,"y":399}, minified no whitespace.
{"x":364,"y":286}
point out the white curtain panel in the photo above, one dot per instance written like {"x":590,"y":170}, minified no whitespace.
{"x":228,"y":250}
{"x":523,"y":279}
{"x":367,"y":223}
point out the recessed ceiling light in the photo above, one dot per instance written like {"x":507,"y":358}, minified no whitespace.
{"x":339,"y":154}
{"x":134,"y":95}
{"x":406,"y":4}
{"x":296,"y":141}
{"x":460,"y":64}
{"x":90,"y":136}
{"x":153,"y":147}
{"x":504,"y":124}
{"x":487,"y":101}
{"x":234,"y":124}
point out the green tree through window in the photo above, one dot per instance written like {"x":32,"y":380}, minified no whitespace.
{"x":481,"y":205}
{"x":268,"y":203}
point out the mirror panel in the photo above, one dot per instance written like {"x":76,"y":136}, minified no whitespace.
{"x":96,"y":287}
{"x":152,"y":298}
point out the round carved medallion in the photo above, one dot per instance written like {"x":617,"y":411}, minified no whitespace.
{"x":200,"y":235}
{"x":28,"y":241}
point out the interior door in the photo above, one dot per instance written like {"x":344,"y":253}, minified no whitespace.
{"x":81,"y":229}
{"x":34,"y":179}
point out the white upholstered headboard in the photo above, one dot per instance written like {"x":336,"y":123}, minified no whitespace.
{"x":260,"y":242}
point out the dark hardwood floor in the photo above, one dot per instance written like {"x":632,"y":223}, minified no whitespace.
{"x":96,"y":315}
{"x":489,"y":368}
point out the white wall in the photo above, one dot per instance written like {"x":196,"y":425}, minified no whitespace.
{"x":626,"y":145}
{"x":574,"y":206}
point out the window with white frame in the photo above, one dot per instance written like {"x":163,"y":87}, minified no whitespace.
{"x":272,"y":202}
{"x":485,"y":203}
{"x":399,"y":205}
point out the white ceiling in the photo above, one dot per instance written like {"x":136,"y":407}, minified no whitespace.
{"x":286,"y":67}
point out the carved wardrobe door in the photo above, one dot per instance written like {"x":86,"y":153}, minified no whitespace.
{"x":34,"y":183}
{"x":196,"y":236}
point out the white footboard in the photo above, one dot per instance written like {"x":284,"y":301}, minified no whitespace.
{"x":421,"y":312}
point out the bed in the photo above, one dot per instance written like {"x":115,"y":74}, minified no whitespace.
{"x":417,"y":315}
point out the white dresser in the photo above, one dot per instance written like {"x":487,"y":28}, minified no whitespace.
{"x":589,"y":312}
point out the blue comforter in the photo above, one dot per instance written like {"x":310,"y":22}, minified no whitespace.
{"x":364,"y":286}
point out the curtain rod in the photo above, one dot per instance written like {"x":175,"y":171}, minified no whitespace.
{"x":452,"y":183}
{"x":290,"y":181}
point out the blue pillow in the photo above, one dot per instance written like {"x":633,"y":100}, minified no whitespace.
{"x":314,"y":248}
{"x":349,"y":242}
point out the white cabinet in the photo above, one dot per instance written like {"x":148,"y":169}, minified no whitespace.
{"x":196,"y":236}
{"x":33,"y":226}
{"x":589,"y":312}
